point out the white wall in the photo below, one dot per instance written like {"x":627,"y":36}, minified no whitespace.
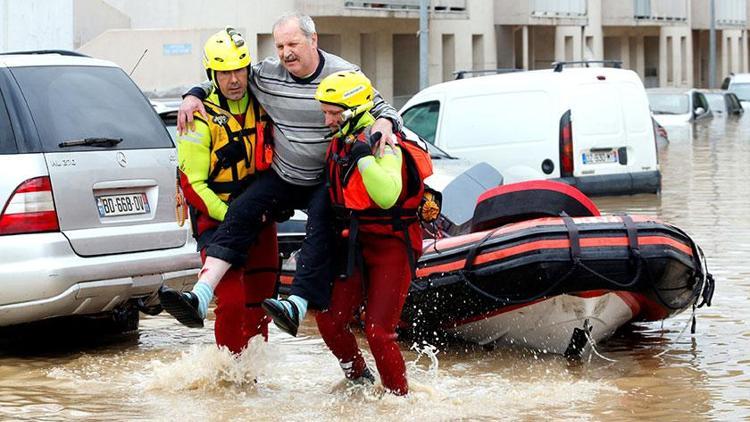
{"x":36,"y":25}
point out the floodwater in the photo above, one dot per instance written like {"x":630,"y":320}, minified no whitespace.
{"x":655,"y":371}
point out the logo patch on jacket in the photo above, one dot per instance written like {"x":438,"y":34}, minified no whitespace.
{"x":220,"y":119}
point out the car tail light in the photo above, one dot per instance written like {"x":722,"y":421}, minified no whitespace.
{"x":31,"y":209}
{"x":566,"y":145}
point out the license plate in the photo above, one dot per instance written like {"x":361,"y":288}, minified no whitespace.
{"x":123,"y":204}
{"x":600,"y":156}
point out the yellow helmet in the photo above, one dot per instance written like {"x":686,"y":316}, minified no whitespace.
{"x":348,"y":89}
{"x":225,"y":50}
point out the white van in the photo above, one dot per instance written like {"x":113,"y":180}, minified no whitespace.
{"x":589,"y":127}
{"x":739,"y":84}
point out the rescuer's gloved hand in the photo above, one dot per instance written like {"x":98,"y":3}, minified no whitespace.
{"x":359,"y":150}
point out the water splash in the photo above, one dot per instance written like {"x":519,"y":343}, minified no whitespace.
{"x":206,"y":367}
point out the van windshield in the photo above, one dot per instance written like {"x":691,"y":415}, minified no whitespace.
{"x":669,"y":103}
{"x":742,"y":91}
{"x":70,"y":103}
{"x":423,"y":119}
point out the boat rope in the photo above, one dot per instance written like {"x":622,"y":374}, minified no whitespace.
{"x":593,"y":347}
{"x":679,"y":336}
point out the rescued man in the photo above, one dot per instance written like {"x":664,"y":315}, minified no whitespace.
{"x":285,"y":86}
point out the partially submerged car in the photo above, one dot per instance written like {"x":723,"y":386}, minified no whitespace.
{"x":676,"y":106}
{"x":723,"y":103}
{"x":87,"y":224}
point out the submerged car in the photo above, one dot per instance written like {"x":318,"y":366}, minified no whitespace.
{"x":88,"y":224}
{"x":675,"y":106}
{"x":724,"y":103}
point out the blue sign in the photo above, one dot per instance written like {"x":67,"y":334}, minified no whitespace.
{"x":176,"y":49}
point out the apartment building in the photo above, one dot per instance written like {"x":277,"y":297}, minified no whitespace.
{"x":665,"y":41}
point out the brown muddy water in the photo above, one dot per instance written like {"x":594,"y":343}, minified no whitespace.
{"x":656,"y":371}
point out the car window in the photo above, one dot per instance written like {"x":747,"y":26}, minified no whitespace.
{"x":78,"y":102}
{"x":700,"y":101}
{"x":668,"y":103}
{"x":7,"y":140}
{"x":734,"y":103}
{"x":716,"y":102}
{"x":741,"y":90}
{"x":170,"y":121}
{"x":423,"y":119}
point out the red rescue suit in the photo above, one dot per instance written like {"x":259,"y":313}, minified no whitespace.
{"x":388,"y":242}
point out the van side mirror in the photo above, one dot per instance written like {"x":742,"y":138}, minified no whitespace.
{"x":699,"y":111}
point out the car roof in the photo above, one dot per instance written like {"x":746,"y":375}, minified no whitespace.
{"x":677,"y":91}
{"x":531,"y":77}
{"x":50,"y":59}
{"x":740,"y":77}
{"x":715,"y":91}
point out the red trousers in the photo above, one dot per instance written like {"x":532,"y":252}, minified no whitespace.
{"x":239,"y":316}
{"x":387,"y":274}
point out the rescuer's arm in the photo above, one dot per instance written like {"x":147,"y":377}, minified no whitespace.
{"x":194,"y":156}
{"x":382,"y":175}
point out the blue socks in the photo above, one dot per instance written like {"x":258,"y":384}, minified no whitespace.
{"x":301,"y":306}
{"x":205,"y":293}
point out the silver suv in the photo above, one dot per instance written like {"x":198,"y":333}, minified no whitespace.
{"x":87,"y":221}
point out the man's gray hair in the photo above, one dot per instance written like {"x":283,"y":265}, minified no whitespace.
{"x":306,"y":23}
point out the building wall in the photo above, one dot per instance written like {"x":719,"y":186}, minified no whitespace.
{"x":460,"y":32}
{"x":172,"y":59}
{"x":92,"y":17}
{"x":36,"y":25}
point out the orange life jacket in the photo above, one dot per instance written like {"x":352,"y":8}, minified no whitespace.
{"x":354,"y":206}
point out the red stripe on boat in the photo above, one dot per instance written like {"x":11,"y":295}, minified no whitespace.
{"x":452,"y":242}
{"x":555,"y":244}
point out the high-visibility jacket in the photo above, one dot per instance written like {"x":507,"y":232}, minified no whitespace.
{"x":219,"y":159}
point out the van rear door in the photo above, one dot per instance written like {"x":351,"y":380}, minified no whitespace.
{"x":111,"y":161}
{"x":612,"y":128}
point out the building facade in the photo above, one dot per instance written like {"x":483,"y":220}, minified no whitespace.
{"x":664,"y":41}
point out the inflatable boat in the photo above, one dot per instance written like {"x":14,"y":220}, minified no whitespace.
{"x":521,"y":275}
{"x":536,"y":265}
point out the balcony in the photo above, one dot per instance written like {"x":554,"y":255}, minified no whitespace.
{"x":660,"y":10}
{"x":730,"y":14}
{"x":565,"y":9}
{"x":381,"y":8}
{"x":541,"y":12}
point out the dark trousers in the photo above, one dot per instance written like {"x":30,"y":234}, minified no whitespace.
{"x":270,"y":195}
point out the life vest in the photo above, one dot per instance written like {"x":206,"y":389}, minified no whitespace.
{"x":237,"y":150}
{"x":353,"y":204}
{"x":347,"y":189}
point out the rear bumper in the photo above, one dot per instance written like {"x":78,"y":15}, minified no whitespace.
{"x":617,"y":184}
{"x":44,"y":278}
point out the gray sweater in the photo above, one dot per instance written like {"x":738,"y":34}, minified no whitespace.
{"x":300,"y":135}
